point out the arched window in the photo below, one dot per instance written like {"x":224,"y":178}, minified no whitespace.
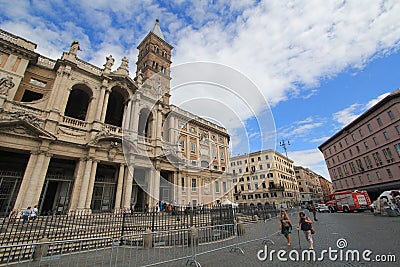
{"x":78,"y":103}
{"x":145,"y":123}
{"x":115,"y":109}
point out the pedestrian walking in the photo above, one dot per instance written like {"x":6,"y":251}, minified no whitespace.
{"x":285,"y":225}
{"x":25,"y":215}
{"x":314,"y":212}
{"x":305,"y":225}
{"x":34,"y":214}
{"x":132,"y":208}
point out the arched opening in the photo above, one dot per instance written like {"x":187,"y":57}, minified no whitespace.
{"x":145,"y":123}
{"x":115,"y":109}
{"x":78,"y":103}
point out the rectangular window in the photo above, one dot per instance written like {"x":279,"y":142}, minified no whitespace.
{"x":252,"y":159}
{"x":352,"y":180}
{"x":360,"y":166}
{"x":358,"y":149}
{"x":262,"y":176}
{"x":194,"y":184}
{"x":391,"y":115}
{"x":361,"y":181}
{"x":386,"y":135}
{"x":377,"y":158}
{"x":353,"y":137}
{"x":366,"y":144}
{"x":398,"y":129}
{"x":266,"y":157}
{"x":192,"y":147}
{"x":379,"y":121}
{"x":389,"y":172}
{"x":352,"y":167}
{"x":216,"y":184}
{"x":375,"y":140}
{"x":183,"y":183}
{"x":388,"y":154}
{"x":256,"y":186}
{"x":370,"y":128}
{"x":361,"y":133}
{"x":347,"y":141}
{"x":261,"y":166}
{"x":37,"y":82}
{"x":346,"y":172}
{"x":240,"y":170}
{"x":259,"y":158}
{"x":340,"y":171}
{"x":378,"y":175}
{"x":351,"y":152}
{"x":397,"y":147}
{"x":224,"y":187}
{"x":369,"y":177}
{"x":248,"y":186}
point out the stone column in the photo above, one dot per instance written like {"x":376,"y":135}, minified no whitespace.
{"x":91,"y":184}
{"x":105,"y":104}
{"x":159,"y":124}
{"x":172,"y":138}
{"x":85,"y":184}
{"x":78,"y":178}
{"x":120,"y":183}
{"x":128,"y":189}
{"x":42,"y":176}
{"x":25,"y":181}
{"x":179,"y":189}
{"x":127,"y":115}
{"x":32,"y":192}
{"x":154,"y":186}
{"x":100,"y":102}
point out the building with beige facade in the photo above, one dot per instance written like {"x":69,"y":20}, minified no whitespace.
{"x":365,"y":154}
{"x":264,"y":178}
{"x":75,"y":136}
{"x":309,"y":185}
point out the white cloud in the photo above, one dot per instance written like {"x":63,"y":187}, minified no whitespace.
{"x":349,"y":114}
{"x":312,"y":159}
{"x":284,"y":47}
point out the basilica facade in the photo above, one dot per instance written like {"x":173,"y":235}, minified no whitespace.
{"x":78,"y":137}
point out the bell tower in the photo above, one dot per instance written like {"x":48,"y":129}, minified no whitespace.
{"x":155,"y":57}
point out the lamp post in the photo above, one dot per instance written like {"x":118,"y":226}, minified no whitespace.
{"x":283,"y":143}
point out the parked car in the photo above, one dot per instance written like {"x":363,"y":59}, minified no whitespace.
{"x":322,"y":208}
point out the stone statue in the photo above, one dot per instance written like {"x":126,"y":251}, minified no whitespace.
{"x":109,"y":62}
{"x":6,"y":83}
{"x":123,"y":69}
{"x":74,"y":47}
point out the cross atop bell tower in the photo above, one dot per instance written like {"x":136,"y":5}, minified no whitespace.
{"x":155,"y":57}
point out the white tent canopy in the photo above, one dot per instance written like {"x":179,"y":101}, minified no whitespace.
{"x":228,"y":202}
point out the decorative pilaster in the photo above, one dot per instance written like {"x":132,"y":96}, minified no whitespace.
{"x":91,"y":184}
{"x":19,"y":202}
{"x":128,"y":189}
{"x":85,"y":184}
{"x":119,"y":187}
{"x":105,"y":104}
{"x":78,"y":177}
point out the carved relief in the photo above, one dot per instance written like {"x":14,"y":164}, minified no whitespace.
{"x":6,"y":83}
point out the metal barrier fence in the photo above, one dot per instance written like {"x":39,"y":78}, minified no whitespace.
{"x":145,"y":249}
{"x":77,"y":225}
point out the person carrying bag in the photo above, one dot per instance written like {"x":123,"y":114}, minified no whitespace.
{"x":305,"y":225}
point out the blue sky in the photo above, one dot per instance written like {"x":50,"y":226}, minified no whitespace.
{"x":318,"y":64}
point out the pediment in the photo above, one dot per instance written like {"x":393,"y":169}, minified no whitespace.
{"x":24,"y":128}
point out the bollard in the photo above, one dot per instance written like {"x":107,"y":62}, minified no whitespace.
{"x":240,"y":228}
{"x":193,"y":238}
{"x":148,"y":239}
{"x":41,"y":250}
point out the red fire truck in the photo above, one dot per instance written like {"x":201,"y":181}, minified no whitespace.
{"x":349,"y":201}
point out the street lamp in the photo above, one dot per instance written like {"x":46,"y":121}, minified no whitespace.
{"x":283,"y":143}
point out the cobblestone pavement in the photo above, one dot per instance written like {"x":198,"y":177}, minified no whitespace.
{"x":361,"y":231}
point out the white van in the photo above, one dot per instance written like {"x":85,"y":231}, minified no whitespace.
{"x":386,"y":204}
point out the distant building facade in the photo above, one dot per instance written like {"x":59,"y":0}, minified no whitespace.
{"x":264,"y":178}
{"x":365,"y":154}
{"x":326,"y":187}
{"x":62,"y":126}
{"x":309,"y":185}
